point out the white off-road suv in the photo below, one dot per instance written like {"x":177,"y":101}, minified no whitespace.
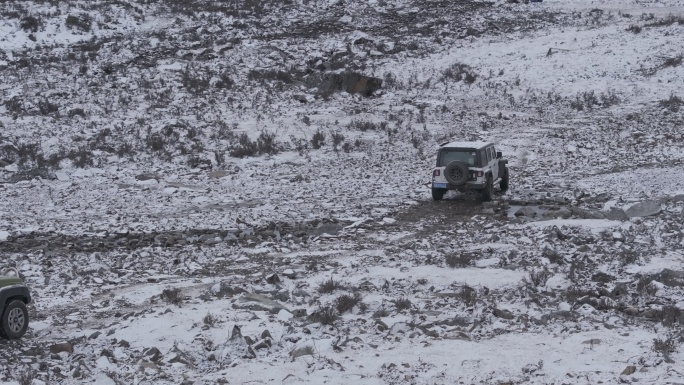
{"x":467,"y":166}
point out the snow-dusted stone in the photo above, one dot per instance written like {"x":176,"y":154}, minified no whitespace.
{"x":146,"y":176}
{"x":284,"y":315}
{"x":289,"y":273}
{"x":103,"y":379}
{"x":526,"y":211}
{"x":261,"y":301}
{"x":200,"y":199}
{"x":103,"y":363}
{"x":62,"y":176}
{"x":643,"y":209}
{"x":4,"y":235}
{"x":616,"y":214}
{"x":62,"y":347}
{"x":327,"y":228}
{"x":502,"y":313}
{"x":12,"y":167}
{"x":587,"y":214}
{"x":82,"y":173}
{"x":629,"y":370}
{"x":399,"y":327}
{"x":670,"y":278}
{"x":563,"y":213}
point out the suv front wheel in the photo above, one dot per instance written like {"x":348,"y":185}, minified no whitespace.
{"x":15,"y":319}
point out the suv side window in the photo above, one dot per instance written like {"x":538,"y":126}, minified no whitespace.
{"x":489,"y":154}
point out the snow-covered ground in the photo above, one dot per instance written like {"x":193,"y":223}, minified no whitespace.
{"x":193,"y":199}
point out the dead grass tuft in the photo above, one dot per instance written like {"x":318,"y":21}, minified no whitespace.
{"x":346,"y":302}
{"x":327,"y":287}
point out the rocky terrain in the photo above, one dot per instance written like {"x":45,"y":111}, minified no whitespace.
{"x":237,"y":192}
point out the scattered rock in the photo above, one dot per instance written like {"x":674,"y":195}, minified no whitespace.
{"x":223,"y":289}
{"x":501,"y":313}
{"x":526,"y":211}
{"x":602,"y":277}
{"x":586,"y":214}
{"x":153,"y":353}
{"x":62,"y":176}
{"x":670,"y":278}
{"x":62,"y":347}
{"x":616,"y":214}
{"x":643,"y":209}
{"x":327,"y":228}
{"x":249,"y":353}
{"x":265,"y":302}
{"x":302,"y":351}
{"x":273,"y":279}
{"x":284,"y":315}
{"x":236,"y":333}
{"x":350,"y":82}
{"x":147,"y":176}
{"x":631,"y":369}
{"x":399,"y":327}
{"x":262,"y":344}
{"x":289,"y":273}
{"x":218,"y":174}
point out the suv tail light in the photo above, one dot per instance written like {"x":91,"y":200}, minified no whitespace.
{"x":435,"y":173}
{"x":478,"y":174}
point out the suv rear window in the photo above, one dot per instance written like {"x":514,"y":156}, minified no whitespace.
{"x":447,"y":155}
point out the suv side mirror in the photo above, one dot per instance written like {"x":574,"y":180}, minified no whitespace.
{"x":499,"y":155}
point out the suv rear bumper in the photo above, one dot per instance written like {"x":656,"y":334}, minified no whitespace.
{"x":468,"y":186}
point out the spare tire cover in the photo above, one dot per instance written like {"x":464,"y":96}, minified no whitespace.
{"x":456,"y":172}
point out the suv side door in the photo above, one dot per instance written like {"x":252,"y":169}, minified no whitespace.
{"x":493,"y":162}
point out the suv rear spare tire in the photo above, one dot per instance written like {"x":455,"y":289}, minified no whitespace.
{"x":456,"y":173}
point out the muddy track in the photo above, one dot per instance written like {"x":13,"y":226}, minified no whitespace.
{"x":56,"y":242}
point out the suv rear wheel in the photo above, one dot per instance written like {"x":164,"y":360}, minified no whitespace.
{"x":15,"y":320}
{"x":503,"y":185}
{"x":488,"y":191}
{"x":438,"y":193}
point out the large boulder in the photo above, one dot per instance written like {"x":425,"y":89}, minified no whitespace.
{"x":643,"y":209}
{"x":351,"y":82}
{"x":670,"y":278}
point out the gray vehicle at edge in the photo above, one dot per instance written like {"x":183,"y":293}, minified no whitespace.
{"x":14,"y":296}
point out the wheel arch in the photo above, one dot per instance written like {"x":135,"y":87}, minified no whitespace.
{"x":9,"y":294}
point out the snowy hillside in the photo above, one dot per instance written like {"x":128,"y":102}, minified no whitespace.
{"x":236,"y":192}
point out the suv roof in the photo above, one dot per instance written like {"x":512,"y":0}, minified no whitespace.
{"x":476,"y":145}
